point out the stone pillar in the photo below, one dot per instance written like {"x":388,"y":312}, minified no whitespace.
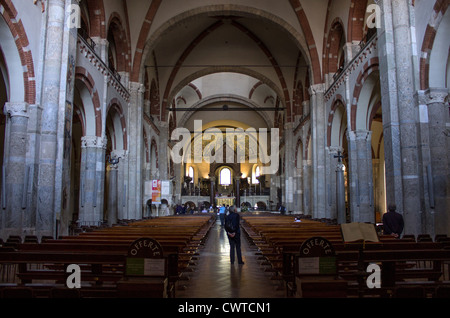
{"x":341,"y":214}
{"x":318,"y":123}
{"x":333,"y":163}
{"x":307,"y":185}
{"x":404,"y":184}
{"x":299,"y":186}
{"x":290,"y":173}
{"x":92,"y":180}
{"x":14,"y":199}
{"x":121,"y":187}
{"x":48,"y":188}
{"x":112,"y":194}
{"x":136,"y":152}
{"x":437,"y":169}
{"x":360,"y":176}
{"x":212,"y":199}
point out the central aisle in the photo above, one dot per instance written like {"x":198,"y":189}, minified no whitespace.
{"x":215,"y":277}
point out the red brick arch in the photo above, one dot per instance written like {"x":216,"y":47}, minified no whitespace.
{"x":122,"y":42}
{"x":9,"y":14}
{"x":338,"y":101}
{"x":83,"y":75}
{"x":332,"y":48}
{"x":299,"y":143}
{"x":314,"y":55}
{"x":142,"y":39}
{"x":440,"y":7}
{"x":356,"y":21}
{"x":117,"y":106}
{"x":97,"y":19}
{"x":369,"y":67}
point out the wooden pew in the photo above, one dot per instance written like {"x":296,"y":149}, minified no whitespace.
{"x":278,"y":240}
{"x":102,"y":253}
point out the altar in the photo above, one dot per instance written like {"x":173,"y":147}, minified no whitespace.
{"x":225,"y":200}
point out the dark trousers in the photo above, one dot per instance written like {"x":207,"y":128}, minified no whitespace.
{"x":222,"y":218}
{"x":235,"y":248}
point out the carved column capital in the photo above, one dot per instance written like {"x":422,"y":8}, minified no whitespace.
{"x":93,"y":142}
{"x":15,"y":109}
{"x":317,"y":89}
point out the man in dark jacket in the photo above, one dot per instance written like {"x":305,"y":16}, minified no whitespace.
{"x":393,"y":222}
{"x":232,"y":227}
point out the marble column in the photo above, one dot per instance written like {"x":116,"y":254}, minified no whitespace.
{"x":360,"y":176}
{"x":318,"y":123}
{"x":48,"y":188}
{"x":135,"y":151}
{"x":408,"y":115}
{"x":307,"y":172}
{"x":237,"y":181}
{"x":14,"y":199}
{"x":404,"y":182}
{"x":290,"y":148}
{"x":112,"y":203}
{"x":92,"y":180}
{"x":212,"y":191}
{"x":437,"y":219}
{"x":333,"y":158}
{"x":121,"y":186}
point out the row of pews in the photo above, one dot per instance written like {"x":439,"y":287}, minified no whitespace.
{"x":40,"y":269}
{"x":409,"y":267}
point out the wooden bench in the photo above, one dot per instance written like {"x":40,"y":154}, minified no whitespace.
{"x":278,"y":240}
{"x":102,"y":253}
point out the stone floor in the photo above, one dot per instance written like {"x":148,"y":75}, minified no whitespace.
{"x":215,"y":277}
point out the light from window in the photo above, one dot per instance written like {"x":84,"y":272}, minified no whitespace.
{"x":255,"y":175}
{"x":191,"y":174}
{"x":225,"y":176}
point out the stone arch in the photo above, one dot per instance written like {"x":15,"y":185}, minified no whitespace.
{"x":146,"y":146}
{"x":97,"y":19}
{"x":154,"y":99}
{"x":369,"y":68}
{"x":90,"y":102}
{"x":197,"y":40}
{"x":337,"y":123}
{"x":230,"y":98}
{"x":334,"y":56}
{"x":15,"y":47}
{"x":154,"y":160}
{"x":356,"y":21}
{"x":298,"y":99}
{"x":438,"y":15}
{"x":312,"y":47}
{"x":116,"y":125}
{"x":232,"y":10}
{"x":144,"y":46}
{"x":119,"y":44}
{"x":299,"y":155}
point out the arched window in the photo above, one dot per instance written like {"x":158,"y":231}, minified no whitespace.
{"x":256,"y":174}
{"x":225,"y":176}
{"x":191,"y":174}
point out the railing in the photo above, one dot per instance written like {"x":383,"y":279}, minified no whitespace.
{"x":86,"y":47}
{"x":366,"y":45}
